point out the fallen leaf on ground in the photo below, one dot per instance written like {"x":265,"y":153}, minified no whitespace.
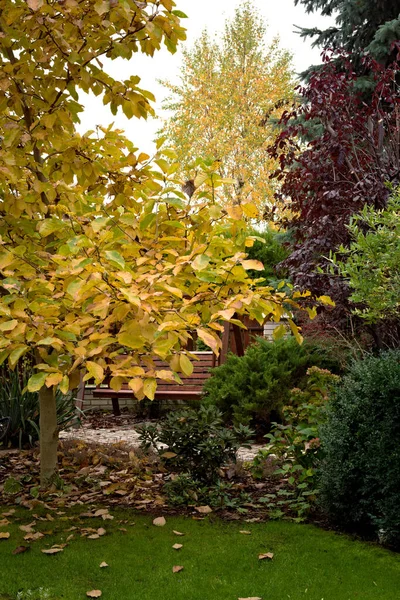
{"x":9,"y":513}
{"x":252,"y":598}
{"x":20,"y":550}
{"x":177,"y":532}
{"x":4,"y":522}
{"x":268,"y":555}
{"x":101,"y":531}
{"x":107,"y":517}
{"x":100,"y":513}
{"x":103,"y":565}
{"x":203,"y":510}
{"x":4,"y":535}
{"x":94,"y":594}
{"x":245,"y":532}
{"x":53,"y":550}
{"x":94,"y":536}
{"x":33,"y":536}
{"x":177,"y":568}
{"x":177,"y":546}
{"x":27,"y":528}
{"x":159,"y":522}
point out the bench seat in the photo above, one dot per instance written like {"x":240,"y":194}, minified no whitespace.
{"x":190,"y":389}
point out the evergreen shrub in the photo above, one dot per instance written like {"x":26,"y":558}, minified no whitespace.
{"x":252,"y":389}
{"x":360,"y":474}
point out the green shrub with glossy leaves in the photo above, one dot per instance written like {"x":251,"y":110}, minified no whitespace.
{"x":360,"y":475}
{"x":195,"y":442}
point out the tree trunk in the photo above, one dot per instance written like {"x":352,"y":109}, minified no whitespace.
{"x":48,"y":436}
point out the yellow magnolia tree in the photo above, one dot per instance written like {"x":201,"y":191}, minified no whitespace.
{"x":103,"y":262}
{"x":225,"y":106}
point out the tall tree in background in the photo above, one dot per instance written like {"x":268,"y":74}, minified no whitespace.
{"x":223,"y":105}
{"x":366,"y":25}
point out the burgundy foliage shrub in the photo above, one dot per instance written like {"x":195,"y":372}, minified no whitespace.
{"x":337,"y":150}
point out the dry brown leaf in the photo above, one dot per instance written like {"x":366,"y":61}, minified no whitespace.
{"x":103,"y":565}
{"x":245,"y":532}
{"x":9,"y":513}
{"x":28,"y":528}
{"x":94,"y":536}
{"x":177,"y":532}
{"x":4,"y":522}
{"x":177,"y":568}
{"x":20,"y":550}
{"x":100,"y":513}
{"x":4,"y":535}
{"x":53,"y":550}
{"x":177,"y":546}
{"x":267,"y":555}
{"x":107,"y":517}
{"x":101,"y":531}
{"x":93,"y":594}
{"x":159,"y":522}
{"x":33,"y":536}
{"x":203,"y":510}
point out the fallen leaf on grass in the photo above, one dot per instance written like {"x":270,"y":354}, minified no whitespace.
{"x":94,"y":536}
{"x":101,"y":531}
{"x":203,"y":510}
{"x":268,"y":555}
{"x":252,"y":598}
{"x":107,"y":517}
{"x":177,"y":568}
{"x":33,"y":536}
{"x":245,"y":532}
{"x":103,"y":565}
{"x":177,"y":532}
{"x":53,"y":550}
{"x":4,"y":535}
{"x":4,"y":522}
{"x":28,"y":528}
{"x":9,"y":513}
{"x":93,"y":594}
{"x":159,"y":522}
{"x":20,"y":550}
{"x":177,"y":546}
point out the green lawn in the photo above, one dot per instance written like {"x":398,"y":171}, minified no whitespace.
{"x":219,"y":562}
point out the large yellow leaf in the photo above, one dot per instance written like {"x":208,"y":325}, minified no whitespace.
{"x":95,"y":371}
{"x":210,"y":339}
{"x":36,"y":382}
{"x":185,"y":365}
{"x":254,"y":265}
{"x":149,"y":388}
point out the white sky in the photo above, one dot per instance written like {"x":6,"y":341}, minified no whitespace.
{"x":280,"y":15}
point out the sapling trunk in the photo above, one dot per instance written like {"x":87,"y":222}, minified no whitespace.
{"x":48,"y":436}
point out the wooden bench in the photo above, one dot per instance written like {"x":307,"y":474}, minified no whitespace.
{"x":190,"y":389}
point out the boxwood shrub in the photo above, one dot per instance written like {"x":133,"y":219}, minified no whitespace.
{"x":360,"y":474}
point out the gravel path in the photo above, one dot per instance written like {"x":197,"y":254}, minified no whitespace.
{"x":130,"y":436}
